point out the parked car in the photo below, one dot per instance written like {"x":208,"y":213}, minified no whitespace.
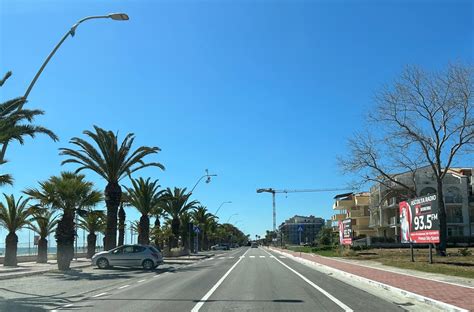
{"x":146,"y":256}
{"x":220,"y":247}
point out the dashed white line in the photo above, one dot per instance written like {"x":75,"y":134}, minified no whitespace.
{"x":230,"y":257}
{"x":213,"y":289}
{"x":141,"y":281}
{"x":124,"y":286}
{"x":252,"y":256}
{"x":212,"y":258}
{"x":262,"y":256}
{"x":282,"y":257}
{"x":98,"y":295}
{"x":68,"y":305}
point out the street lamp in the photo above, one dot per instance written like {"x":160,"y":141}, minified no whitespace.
{"x":208,"y":180}
{"x":71,"y":32}
{"x":235,"y":223}
{"x":235,"y":214}
{"x":222,"y":204}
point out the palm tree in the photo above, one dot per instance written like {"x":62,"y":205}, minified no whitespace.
{"x":15,"y":125}
{"x":46,"y":222}
{"x":70,"y":193}
{"x":13,"y":217}
{"x":157,"y":213}
{"x":145,"y":197}
{"x":185,"y":231}
{"x":205,"y":221}
{"x":174,"y":203}
{"x":92,"y":221}
{"x":124,"y":201}
{"x":112,"y":162}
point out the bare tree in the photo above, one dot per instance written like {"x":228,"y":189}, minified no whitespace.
{"x":423,"y":118}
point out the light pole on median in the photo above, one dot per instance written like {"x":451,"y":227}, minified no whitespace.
{"x":220,"y":206}
{"x":71,"y":32}
{"x":208,"y":180}
{"x":235,"y":214}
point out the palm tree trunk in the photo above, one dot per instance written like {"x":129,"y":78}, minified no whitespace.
{"x":11,"y":243}
{"x":175,"y":223}
{"x":144,"y":230}
{"x":113,"y":195}
{"x":65,"y":234}
{"x":42,"y":250}
{"x":121,"y":225}
{"x":91,"y":240}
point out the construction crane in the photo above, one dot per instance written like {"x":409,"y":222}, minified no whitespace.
{"x":273,"y":192}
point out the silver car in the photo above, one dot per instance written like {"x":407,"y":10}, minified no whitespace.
{"x":146,"y":256}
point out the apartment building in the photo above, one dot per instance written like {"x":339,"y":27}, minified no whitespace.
{"x":458,"y":197}
{"x":310,"y":226}
{"x":356,"y":207}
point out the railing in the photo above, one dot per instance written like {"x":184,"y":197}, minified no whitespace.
{"x":393,"y":221}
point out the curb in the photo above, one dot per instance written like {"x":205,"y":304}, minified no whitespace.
{"x":38,"y":272}
{"x":433,"y":302}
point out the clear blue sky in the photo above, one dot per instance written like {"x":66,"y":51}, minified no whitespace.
{"x":263,"y":93}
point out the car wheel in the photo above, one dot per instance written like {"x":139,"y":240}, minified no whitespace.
{"x":148,"y":264}
{"x":103,"y":263}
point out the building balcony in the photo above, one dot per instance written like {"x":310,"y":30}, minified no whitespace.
{"x":357,"y":214}
{"x":338,"y":217}
{"x":343,"y":204}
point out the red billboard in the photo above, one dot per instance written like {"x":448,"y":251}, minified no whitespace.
{"x":345,"y":232}
{"x":419,"y":220}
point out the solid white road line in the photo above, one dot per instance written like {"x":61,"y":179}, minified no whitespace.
{"x":141,"y":281}
{"x":124,"y":286}
{"x":333,"y":299}
{"x":213,"y":289}
{"x":98,"y":295}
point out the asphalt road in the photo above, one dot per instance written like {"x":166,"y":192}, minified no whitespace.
{"x":245,"y":279}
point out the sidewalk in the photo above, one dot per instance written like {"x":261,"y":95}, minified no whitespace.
{"x":32,"y":268}
{"x":458,"y":295}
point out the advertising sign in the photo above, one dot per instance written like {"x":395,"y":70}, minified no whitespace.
{"x":419,"y":220}
{"x":345,"y":232}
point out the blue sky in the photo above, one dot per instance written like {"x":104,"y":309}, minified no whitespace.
{"x":263,"y":93}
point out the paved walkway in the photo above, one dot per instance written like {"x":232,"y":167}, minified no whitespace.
{"x":457,"y":295}
{"x":33,"y":268}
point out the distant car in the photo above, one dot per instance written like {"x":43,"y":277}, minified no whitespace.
{"x":220,"y":247}
{"x":254,"y":245}
{"x":146,"y":256}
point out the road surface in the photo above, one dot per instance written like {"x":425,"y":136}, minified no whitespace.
{"x":244,"y":279}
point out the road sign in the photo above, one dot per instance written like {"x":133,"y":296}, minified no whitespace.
{"x":300,"y":228}
{"x":197,"y":229}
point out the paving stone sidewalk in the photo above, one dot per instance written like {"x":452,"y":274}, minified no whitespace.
{"x":458,"y":295}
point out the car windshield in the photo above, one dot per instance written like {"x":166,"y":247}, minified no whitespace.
{"x":239,"y":155}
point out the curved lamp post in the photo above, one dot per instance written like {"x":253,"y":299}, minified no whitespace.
{"x":220,"y":206}
{"x":235,"y":214}
{"x":208,"y":180}
{"x":71,"y":32}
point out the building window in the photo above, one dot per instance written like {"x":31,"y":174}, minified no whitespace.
{"x":455,"y":231}
{"x":427,"y":191}
{"x":454,"y":214}
{"x":453,"y":195}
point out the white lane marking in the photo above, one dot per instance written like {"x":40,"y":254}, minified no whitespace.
{"x":124,"y":286}
{"x":98,"y":295}
{"x":230,"y":257}
{"x":262,"y":256}
{"x":213,"y":289}
{"x":212,"y":258}
{"x":333,"y":299}
{"x":68,"y":305}
{"x":282,"y":257}
{"x":252,"y":256}
{"x":242,"y":257}
{"x":141,"y":281}
{"x":272,"y":256}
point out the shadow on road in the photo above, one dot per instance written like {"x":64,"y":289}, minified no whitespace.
{"x":32,"y":302}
